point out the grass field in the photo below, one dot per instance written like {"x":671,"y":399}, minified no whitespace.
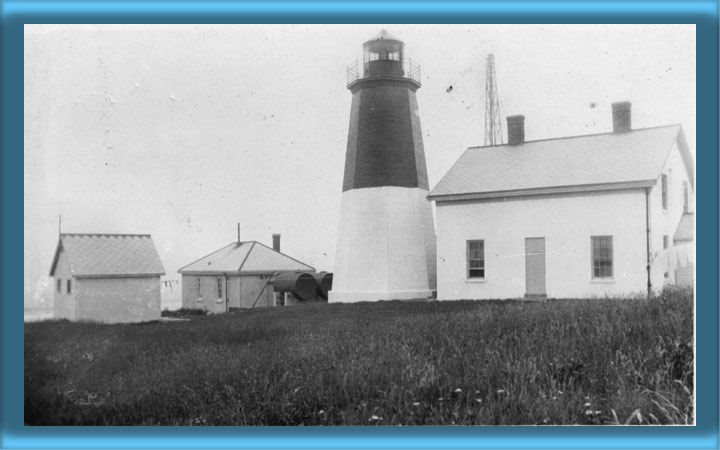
{"x":604,"y":361}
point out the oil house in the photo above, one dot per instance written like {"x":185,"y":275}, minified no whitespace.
{"x":586,"y":216}
{"x":240,"y":275}
{"x":108,"y":278}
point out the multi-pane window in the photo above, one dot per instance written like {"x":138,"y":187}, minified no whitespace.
{"x":686,"y":206}
{"x":664,"y":187}
{"x":59,"y":286}
{"x":69,"y":286}
{"x":476,"y":259}
{"x":219,"y":288}
{"x":602,"y":256}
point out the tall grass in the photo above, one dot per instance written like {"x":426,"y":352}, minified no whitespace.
{"x":605,"y":361}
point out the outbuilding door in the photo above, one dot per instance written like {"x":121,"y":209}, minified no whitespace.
{"x":535,"y":268}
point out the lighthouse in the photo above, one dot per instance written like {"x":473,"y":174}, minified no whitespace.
{"x":386,"y":236}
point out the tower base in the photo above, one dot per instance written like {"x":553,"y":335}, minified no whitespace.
{"x":353,"y":297}
{"x":386,"y":246}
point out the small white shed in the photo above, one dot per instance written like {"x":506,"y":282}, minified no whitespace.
{"x":108,"y":278}
{"x":238,"y":275}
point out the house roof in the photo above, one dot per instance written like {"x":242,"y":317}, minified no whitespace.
{"x":114,"y":255}
{"x":245,"y":257}
{"x":686,"y":228}
{"x":571,"y":164}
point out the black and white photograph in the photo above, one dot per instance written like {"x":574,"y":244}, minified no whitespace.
{"x":359,"y":224}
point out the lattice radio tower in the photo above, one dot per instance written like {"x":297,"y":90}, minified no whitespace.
{"x":493,"y":124}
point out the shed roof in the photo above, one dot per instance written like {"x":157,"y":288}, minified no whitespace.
{"x":246,"y":257}
{"x":109,"y":255}
{"x":686,"y":228}
{"x":580,"y":163}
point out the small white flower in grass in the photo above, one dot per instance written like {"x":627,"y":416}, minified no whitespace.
{"x":588,"y":412}
{"x":458,"y":390}
{"x":587,"y":405}
{"x":375,"y":418}
{"x":554,"y":398}
{"x":440,"y":399}
{"x":416,"y":404}
{"x":587,"y":397}
{"x":479,"y":400}
{"x":321,"y":412}
{"x":597,"y":413}
{"x":477,"y":392}
{"x":560,"y":392}
{"x":501,"y":391}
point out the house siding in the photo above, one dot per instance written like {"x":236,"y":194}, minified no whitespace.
{"x":207,"y":297}
{"x":118,"y":300}
{"x":251,"y":289}
{"x":665,"y":221}
{"x":567,"y":223}
{"x":63,"y":303}
{"x":241,"y":292}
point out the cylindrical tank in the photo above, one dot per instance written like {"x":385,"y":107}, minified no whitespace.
{"x":301,"y":285}
{"x":324,"y":283}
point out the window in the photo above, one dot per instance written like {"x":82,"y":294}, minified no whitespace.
{"x":69,"y":286}
{"x":666,"y":241}
{"x":664,"y":180}
{"x":476,"y":259}
{"x":602,"y":256}
{"x":199,"y":287}
{"x":219,"y":288}
{"x":686,"y":206}
{"x":59,"y":286}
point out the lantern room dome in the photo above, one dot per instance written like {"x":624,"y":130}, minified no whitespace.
{"x":384,"y":43}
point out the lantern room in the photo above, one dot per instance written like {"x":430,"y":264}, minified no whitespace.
{"x":383,"y":55}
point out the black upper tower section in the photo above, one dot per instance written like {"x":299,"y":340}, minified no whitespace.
{"x":385,"y":140}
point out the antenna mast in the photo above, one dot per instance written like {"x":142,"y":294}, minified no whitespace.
{"x":493,"y":124}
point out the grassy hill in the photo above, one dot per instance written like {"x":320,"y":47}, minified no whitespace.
{"x":599,"y":361}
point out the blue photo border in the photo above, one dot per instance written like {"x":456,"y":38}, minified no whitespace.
{"x":702,"y":13}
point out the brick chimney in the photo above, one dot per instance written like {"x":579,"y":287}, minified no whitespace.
{"x":621,"y":117}
{"x":276,"y":242}
{"x":516,"y":129}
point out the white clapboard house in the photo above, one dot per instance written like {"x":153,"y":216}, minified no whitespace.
{"x":108,"y":278}
{"x":584,"y":216}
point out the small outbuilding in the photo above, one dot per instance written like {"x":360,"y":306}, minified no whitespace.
{"x":239,"y":275}
{"x":110,"y":278}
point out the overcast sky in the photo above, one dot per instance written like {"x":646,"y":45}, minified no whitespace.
{"x":183,"y":131}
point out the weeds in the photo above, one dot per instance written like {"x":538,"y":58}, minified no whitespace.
{"x":605,"y":361}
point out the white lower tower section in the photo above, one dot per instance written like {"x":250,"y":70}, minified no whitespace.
{"x":386,"y":246}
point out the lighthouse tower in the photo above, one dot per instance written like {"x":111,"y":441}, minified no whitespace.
{"x":386,"y":237}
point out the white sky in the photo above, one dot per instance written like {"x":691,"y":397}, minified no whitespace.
{"x":183,"y":131}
